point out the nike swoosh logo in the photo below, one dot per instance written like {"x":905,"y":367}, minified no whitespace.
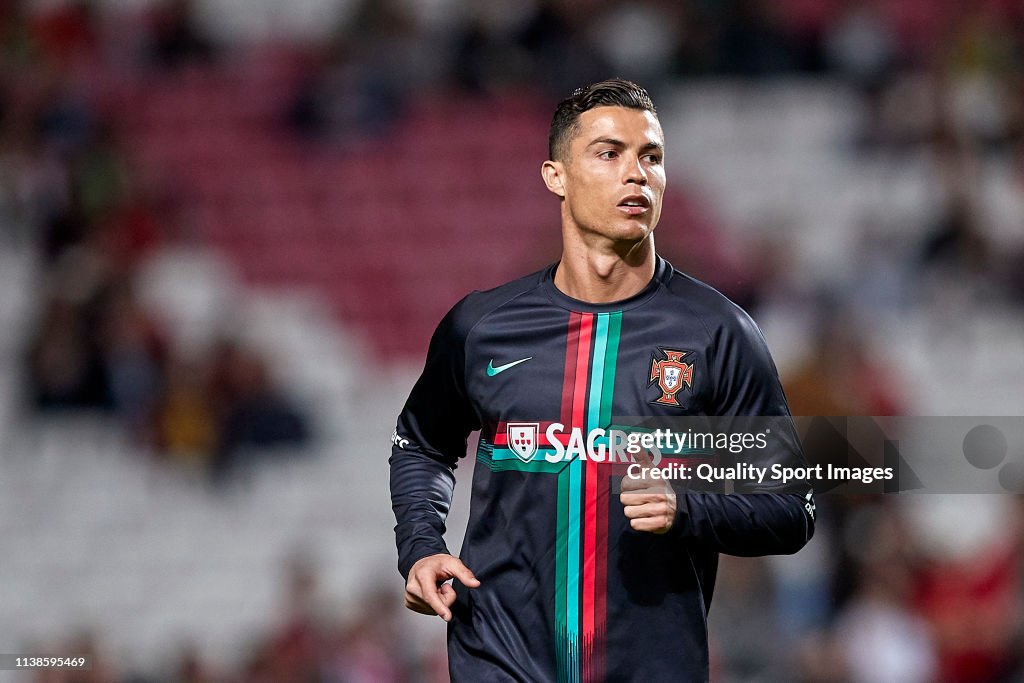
{"x":492,"y":371}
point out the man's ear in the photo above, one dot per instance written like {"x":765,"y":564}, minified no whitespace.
{"x":553,"y":173}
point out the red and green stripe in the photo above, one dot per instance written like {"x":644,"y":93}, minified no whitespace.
{"x":581,"y":544}
{"x":581,"y":550}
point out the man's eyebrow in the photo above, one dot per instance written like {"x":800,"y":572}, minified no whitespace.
{"x":608,"y":141}
{"x":619,"y":143}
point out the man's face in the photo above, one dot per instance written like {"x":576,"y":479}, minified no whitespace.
{"x":613,"y":176}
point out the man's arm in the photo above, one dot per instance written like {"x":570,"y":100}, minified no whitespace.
{"x":765,"y":518}
{"x":428,"y":441}
{"x":760,"y":518}
{"x":747,"y":524}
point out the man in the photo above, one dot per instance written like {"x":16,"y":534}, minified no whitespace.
{"x":561,"y":578}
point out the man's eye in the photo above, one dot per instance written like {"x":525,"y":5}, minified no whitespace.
{"x":608,"y":154}
{"x":653,"y":158}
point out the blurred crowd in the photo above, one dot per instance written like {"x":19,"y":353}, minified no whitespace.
{"x":307,"y":641}
{"x":71,"y":187}
{"x":873,"y":605}
{"x":383,"y":52}
{"x":939,"y":80}
{"x":882,"y":606}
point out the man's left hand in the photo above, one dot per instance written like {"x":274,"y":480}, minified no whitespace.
{"x":649,"y":504}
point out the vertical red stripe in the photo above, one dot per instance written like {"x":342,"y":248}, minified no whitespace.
{"x":568,"y":383}
{"x":579,"y":399}
{"x":590,"y":564}
{"x":601,"y":574}
{"x":589,"y":500}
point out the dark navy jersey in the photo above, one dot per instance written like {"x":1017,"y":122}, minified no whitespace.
{"x":568,"y":590}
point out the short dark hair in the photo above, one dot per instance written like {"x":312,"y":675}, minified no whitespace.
{"x":614,"y":92}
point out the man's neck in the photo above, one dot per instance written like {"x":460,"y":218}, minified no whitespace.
{"x":605,"y":275}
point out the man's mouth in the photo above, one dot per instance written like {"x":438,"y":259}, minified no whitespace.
{"x":635,"y":205}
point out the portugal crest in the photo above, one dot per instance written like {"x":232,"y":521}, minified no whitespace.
{"x":671,"y":373}
{"x":522,"y":439}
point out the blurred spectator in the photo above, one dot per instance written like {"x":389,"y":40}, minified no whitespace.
{"x":254,"y":414}
{"x":132,"y":230}
{"x":752,"y":39}
{"x":744,"y":629}
{"x":65,"y":369}
{"x":958,"y":251}
{"x":214,"y":416}
{"x":882,"y":277}
{"x":186,"y":428}
{"x":64,"y":116}
{"x":83,"y":643}
{"x":294,"y":649}
{"x":17,"y":42}
{"x":839,"y":376}
{"x":982,"y":56}
{"x":861,"y":44}
{"x":1016,"y":647}
{"x":132,"y":351}
{"x":65,"y":227}
{"x":100,"y":171}
{"x":365,"y":652}
{"x":880,"y":636}
{"x":956,"y":243}
{"x":558,"y":33}
{"x":359,"y":82}
{"x":176,"y":37}
{"x":192,"y":668}
{"x":974,"y":609}
{"x":30,"y":183}
{"x":67,"y":32}
{"x":644,"y":61}
{"x":862,"y":48}
{"x":696,"y":35}
{"x":820,"y":659}
{"x":485,"y":55}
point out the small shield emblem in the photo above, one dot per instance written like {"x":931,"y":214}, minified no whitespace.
{"x":522,"y":439}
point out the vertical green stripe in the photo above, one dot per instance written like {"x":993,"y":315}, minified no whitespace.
{"x":576,"y":468}
{"x":561,"y":560}
{"x":573,"y":569}
{"x":611,"y":354}
{"x":597,"y":376}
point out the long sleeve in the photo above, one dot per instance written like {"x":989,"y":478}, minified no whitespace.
{"x":759,"y":518}
{"x":429,"y":439}
{"x":748,"y":524}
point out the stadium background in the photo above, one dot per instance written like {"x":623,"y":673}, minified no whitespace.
{"x":227,"y":228}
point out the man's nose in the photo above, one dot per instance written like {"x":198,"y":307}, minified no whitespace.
{"x":635,"y":172}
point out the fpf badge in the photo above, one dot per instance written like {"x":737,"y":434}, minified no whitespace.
{"x":671,"y":374}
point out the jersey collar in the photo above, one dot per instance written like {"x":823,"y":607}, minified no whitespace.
{"x":662,"y":271}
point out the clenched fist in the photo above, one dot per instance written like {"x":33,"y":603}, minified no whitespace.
{"x":649,"y":503}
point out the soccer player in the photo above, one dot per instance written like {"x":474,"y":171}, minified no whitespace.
{"x":560,"y":577}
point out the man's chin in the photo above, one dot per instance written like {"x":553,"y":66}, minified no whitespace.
{"x":633,"y":231}
{"x":625,"y":232}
